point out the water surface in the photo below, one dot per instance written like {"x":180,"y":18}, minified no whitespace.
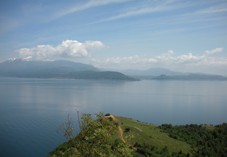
{"x":31,"y":110}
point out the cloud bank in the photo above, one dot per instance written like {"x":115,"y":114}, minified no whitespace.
{"x":67,"y":49}
{"x":206,"y":58}
{"x":208,"y":61}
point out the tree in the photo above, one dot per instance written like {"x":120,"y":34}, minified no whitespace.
{"x":67,"y":128}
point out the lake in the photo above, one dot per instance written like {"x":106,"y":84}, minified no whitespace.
{"x":32,"y":110}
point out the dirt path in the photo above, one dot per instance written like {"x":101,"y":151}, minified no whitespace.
{"x":121,"y":134}
{"x":119,"y":127}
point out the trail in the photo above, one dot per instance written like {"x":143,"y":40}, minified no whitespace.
{"x":121,"y":134}
{"x":119,"y":127}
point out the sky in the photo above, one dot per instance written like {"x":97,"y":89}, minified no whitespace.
{"x":181,"y":35}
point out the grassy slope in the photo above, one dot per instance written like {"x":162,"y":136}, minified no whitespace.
{"x":150,"y":134}
{"x":140,"y":133}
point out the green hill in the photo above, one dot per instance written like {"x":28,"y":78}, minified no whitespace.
{"x":118,"y":136}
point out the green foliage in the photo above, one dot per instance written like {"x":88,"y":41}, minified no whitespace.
{"x":205,"y":140}
{"x":95,"y":139}
{"x":100,"y":136}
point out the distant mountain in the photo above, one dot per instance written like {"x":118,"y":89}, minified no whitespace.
{"x":56,"y":69}
{"x":190,"y":76}
{"x":166,"y":74}
{"x":150,"y":72}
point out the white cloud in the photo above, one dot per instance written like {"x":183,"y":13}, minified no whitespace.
{"x":67,"y":49}
{"x":166,"y":59}
{"x":130,"y":60}
{"x":87,"y":5}
{"x":188,"y":58}
{"x":148,"y":8}
{"x":213,"y":51}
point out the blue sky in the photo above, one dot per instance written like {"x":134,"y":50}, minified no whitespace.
{"x":182,"y":35}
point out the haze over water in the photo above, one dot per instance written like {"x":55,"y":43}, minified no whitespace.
{"x":31,"y":110}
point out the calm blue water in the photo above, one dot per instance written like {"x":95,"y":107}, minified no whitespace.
{"x":31,"y":110}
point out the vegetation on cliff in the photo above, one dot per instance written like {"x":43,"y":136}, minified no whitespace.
{"x":112,"y":136}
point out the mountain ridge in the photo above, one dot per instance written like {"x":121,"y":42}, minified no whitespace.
{"x":57,"y":69}
{"x":166,"y":74}
{"x":74,"y":70}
